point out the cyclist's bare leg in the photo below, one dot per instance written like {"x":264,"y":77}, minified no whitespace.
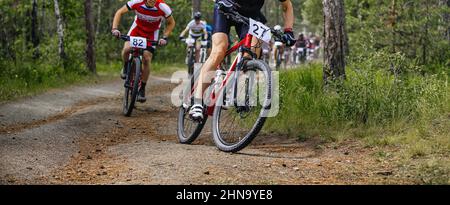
{"x":219,"y":49}
{"x":126,"y":51}
{"x":275,"y":53}
{"x":256,"y":48}
{"x":147,"y":59}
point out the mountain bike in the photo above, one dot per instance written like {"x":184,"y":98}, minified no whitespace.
{"x":190,"y":55}
{"x":232,"y":98}
{"x":300,"y":56}
{"x":279,"y":55}
{"x":133,"y":70}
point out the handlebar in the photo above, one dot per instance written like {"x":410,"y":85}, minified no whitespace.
{"x":127,"y":38}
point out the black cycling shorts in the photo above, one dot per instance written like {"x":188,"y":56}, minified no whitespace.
{"x":223,"y":25}
{"x":151,"y":49}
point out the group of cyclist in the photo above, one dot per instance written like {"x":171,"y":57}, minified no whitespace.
{"x":151,"y":13}
{"x":305,"y":49}
{"x":275,"y":51}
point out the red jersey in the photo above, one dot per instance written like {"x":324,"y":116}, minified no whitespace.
{"x":148,"y":19}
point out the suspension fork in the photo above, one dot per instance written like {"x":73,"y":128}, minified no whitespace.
{"x":246,"y":48}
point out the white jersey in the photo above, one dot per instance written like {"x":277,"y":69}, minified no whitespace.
{"x":196,"y":30}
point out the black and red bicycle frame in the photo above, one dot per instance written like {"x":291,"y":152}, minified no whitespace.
{"x":245,"y":46}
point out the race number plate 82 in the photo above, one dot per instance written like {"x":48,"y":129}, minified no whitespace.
{"x":138,"y":42}
{"x":259,"y":30}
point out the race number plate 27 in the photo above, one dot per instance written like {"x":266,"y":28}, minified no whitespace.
{"x":138,"y":42}
{"x":259,"y":30}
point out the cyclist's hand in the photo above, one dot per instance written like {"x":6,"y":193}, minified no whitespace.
{"x":116,"y":33}
{"x":181,"y":38}
{"x":289,"y":38}
{"x":162,"y":42}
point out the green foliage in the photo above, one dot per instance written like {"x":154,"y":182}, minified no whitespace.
{"x":405,"y":110}
{"x":369,"y":98}
{"x":415,"y":29}
{"x":314,"y":15}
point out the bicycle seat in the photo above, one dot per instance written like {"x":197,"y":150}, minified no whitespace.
{"x":228,"y":9}
{"x":226,"y":6}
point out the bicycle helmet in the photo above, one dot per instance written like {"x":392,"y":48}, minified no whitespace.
{"x":197,"y":15}
{"x":277,"y":28}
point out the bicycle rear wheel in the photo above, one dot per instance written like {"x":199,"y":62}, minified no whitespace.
{"x":187,"y":129}
{"x":237,"y":122}
{"x":131,"y":86}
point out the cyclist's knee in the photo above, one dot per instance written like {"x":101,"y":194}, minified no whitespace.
{"x":147,"y":58}
{"x":126,"y":48}
{"x":220,"y":42}
{"x":219,"y":49}
{"x":126,"y":51}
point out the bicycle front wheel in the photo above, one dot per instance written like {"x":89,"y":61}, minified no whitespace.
{"x":131,"y":86}
{"x":237,"y":120}
{"x":191,"y":60}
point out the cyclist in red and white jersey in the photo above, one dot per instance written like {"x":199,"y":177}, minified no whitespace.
{"x":147,"y":22}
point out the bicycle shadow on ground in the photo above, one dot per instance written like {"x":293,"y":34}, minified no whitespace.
{"x":283,"y":147}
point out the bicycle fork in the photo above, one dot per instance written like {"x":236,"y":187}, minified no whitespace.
{"x":222,"y":83}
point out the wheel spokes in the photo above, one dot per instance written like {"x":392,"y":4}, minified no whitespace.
{"x":235,"y":122}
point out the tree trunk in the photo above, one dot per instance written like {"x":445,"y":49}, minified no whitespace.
{"x":265,"y":9}
{"x":335,"y":40}
{"x":277,"y":9}
{"x":99,"y":17}
{"x":426,"y":37}
{"x":90,"y":36}
{"x":60,"y":31}
{"x":34,"y":29}
{"x":196,"y":5}
{"x":42,"y":25}
{"x":447,"y":20}
{"x":393,"y":24}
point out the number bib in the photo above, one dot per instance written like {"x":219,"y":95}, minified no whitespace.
{"x":260,"y":31}
{"x":138,"y":42}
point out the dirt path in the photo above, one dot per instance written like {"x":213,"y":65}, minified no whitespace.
{"x":79,"y":136}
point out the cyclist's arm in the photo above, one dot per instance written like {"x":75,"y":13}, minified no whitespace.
{"x":170,"y":25}
{"x":206,"y":33}
{"x":118,"y":16}
{"x":288,"y":13}
{"x":184,"y":31}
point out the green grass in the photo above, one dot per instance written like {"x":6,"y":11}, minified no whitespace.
{"x":408,"y":113}
{"x":167,"y":69}
{"x":31,"y":79}
{"x":14,"y":86}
